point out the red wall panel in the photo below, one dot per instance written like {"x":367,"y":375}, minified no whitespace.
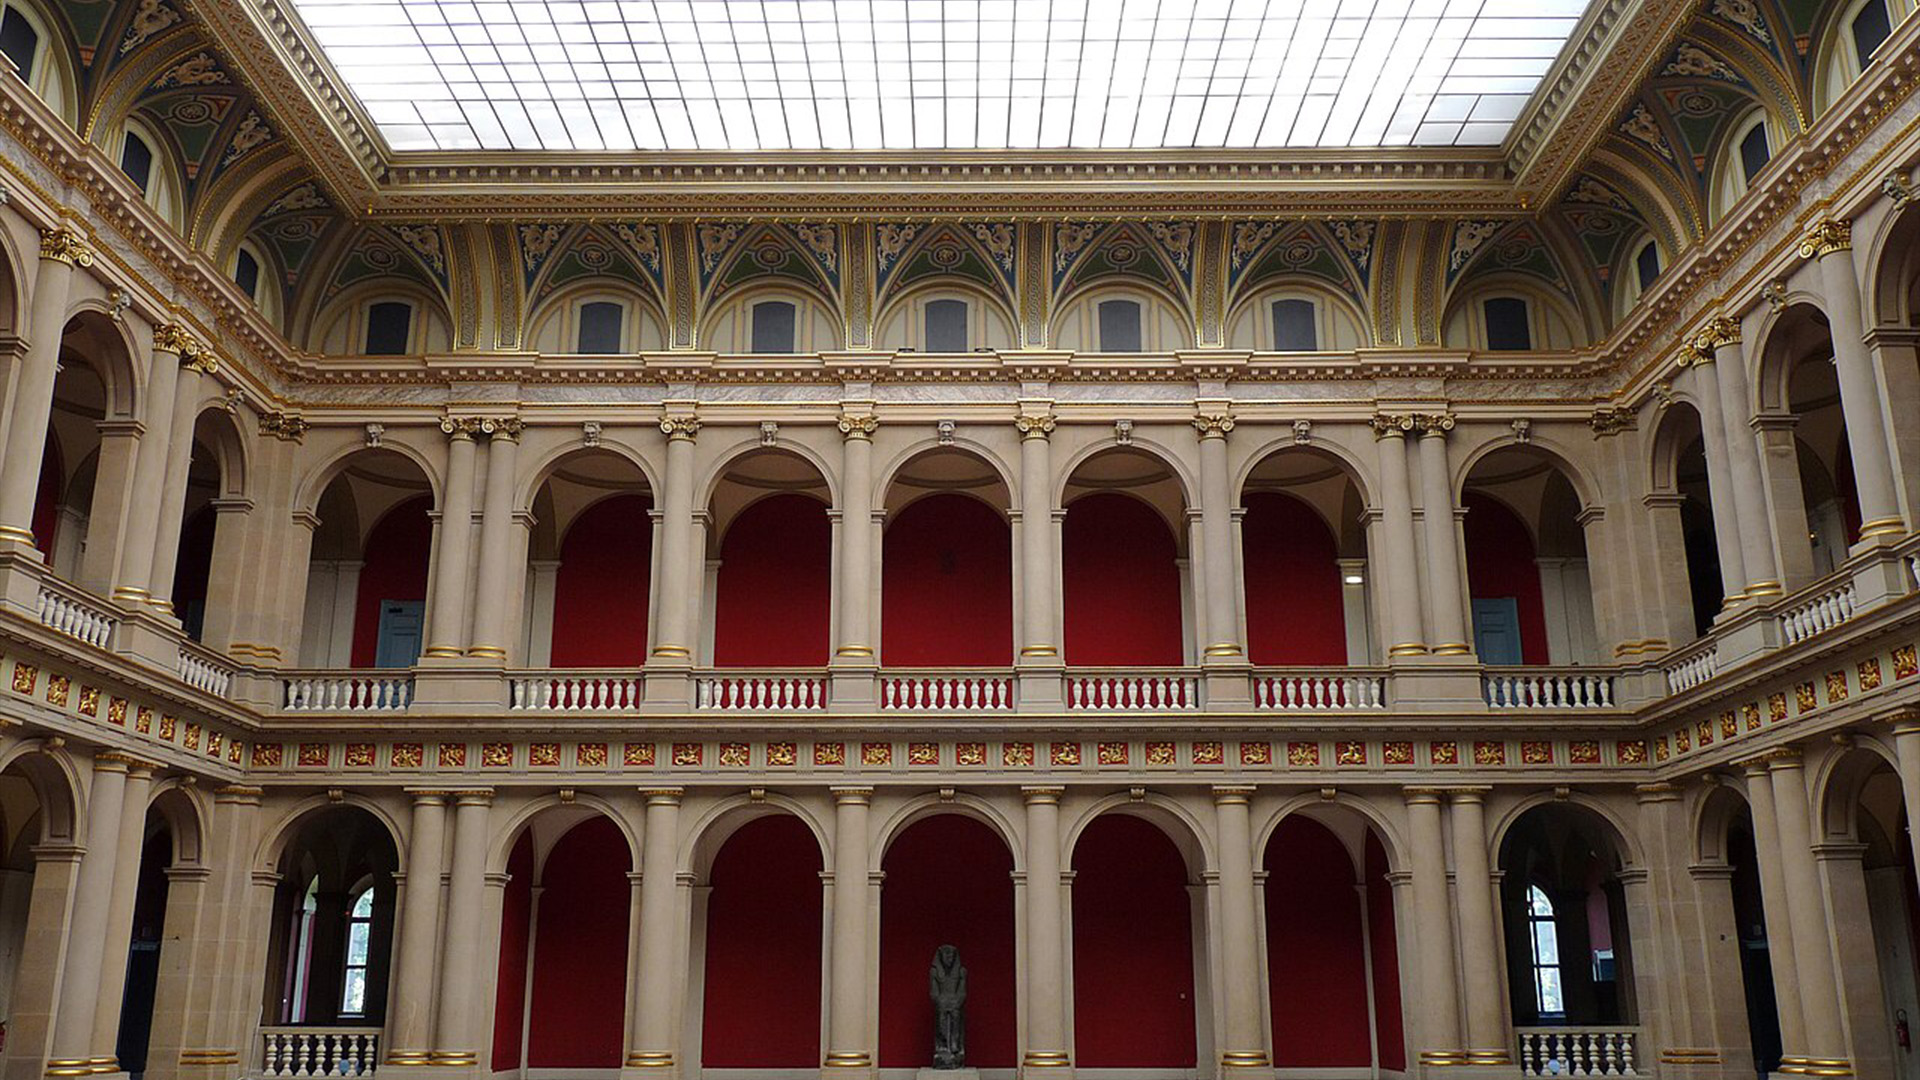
{"x":1386,"y":958}
{"x":393,"y":567}
{"x":1132,"y":948}
{"x":947,"y":585}
{"x":763,"y":949}
{"x":1500,"y":563}
{"x":1316,"y":957}
{"x":510,"y":994}
{"x":580,"y":951}
{"x":46,"y":497}
{"x":600,"y":591}
{"x":1294,"y":609}
{"x":948,"y":883}
{"x":1121,"y":583}
{"x":775,"y":585}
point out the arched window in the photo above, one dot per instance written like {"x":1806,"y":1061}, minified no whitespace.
{"x":353,"y":983}
{"x":946,"y":326}
{"x":1647,"y":264}
{"x":246,"y":273}
{"x":136,"y":160}
{"x":1295,"y":325}
{"x":773,"y":326}
{"x":1545,"y":939}
{"x":1755,"y":150}
{"x":1508,"y":327}
{"x":600,"y":327}
{"x":1870,"y":27}
{"x":1120,"y":326}
{"x":20,"y":42}
{"x":389,"y":327}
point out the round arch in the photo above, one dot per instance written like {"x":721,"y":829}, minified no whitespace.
{"x":996,"y":313}
{"x":285,"y":828}
{"x":1168,"y":815}
{"x":500,"y":847}
{"x":1557,"y":454}
{"x":731,"y":455}
{"x":890,"y":471}
{"x":183,"y":807}
{"x":107,"y":346}
{"x":1626,"y":843}
{"x":1335,"y":453}
{"x":218,"y":430}
{"x":1159,"y":451}
{"x":549,"y":462}
{"x":329,"y":468}
{"x":711,"y":831}
{"x":55,"y":778}
{"x":1321,"y":809}
{"x":933,"y":805}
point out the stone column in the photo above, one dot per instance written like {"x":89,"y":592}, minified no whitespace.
{"x":1722,"y":336}
{"x":1831,"y":244}
{"x":447,"y":619}
{"x":497,"y":548}
{"x":673,"y":630}
{"x":1906,"y":748}
{"x":1437,"y":1004}
{"x":1825,"y":1047}
{"x":1444,"y":589}
{"x":119,"y":935}
{"x":847,"y":1019}
{"x":650,"y":1030}
{"x":1720,"y":497}
{"x":1244,"y":1045}
{"x":173,"y":499}
{"x":457,"y":1035}
{"x":1035,"y":424}
{"x":72,"y":1053}
{"x":60,"y":251}
{"x":1045,"y":952}
{"x":1219,"y":598}
{"x":109,"y":519}
{"x":37,"y":984}
{"x":230,"y":525}
{"x":1773,"y":896}
{"x":1479,"y":929}
{"x":172,"y":347}
{"x":1405,"y":636}
{"x":854,"y":644}
{"x":409,"y":1010}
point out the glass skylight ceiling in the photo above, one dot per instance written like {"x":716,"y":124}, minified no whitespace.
{"x":728,"y":75}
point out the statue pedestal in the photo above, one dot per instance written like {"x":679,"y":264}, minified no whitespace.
{"x":947,"y":1074}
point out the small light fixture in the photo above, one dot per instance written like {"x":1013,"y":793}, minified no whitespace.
{"x":1354,"y":579}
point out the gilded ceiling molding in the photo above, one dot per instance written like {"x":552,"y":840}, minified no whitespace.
{"x":682,"y":283}
{"x":856,"y":255}
{"x":1035,"y":256}
{"x":1210,"y":287}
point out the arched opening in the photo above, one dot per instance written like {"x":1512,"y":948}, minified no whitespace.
{"x":330,"y":952}
{"x":36,"y":807}
{"x":1799,"y":352}
{"x":1734,"y":914}
{"x":92,"y":388}
{"x":1872,"y":904}
{"x":1303,"y":554}
{"x":761,"y":1006}
{"x":590,"y":568}
{"x":1333,"y":964}
{"x":1133,"y":947}
{"x":367,"y":573}
{"x":949,"y":881}
{"x":771,"y":558}
{"x":143,"y":954}
{"x":1527,"y":573}
{"x":212,"y":475}
{"x":1563,"y":906}
{"x":947,"y":564}
{"x":1682,"y":513}
{"x":566,"y":917}
{"x":1123,"y":564}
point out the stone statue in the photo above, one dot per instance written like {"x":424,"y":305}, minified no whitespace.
{"x":947,"y":982}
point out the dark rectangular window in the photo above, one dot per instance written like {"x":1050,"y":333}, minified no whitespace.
{"x":1754,"y":152}
{"x":600,"y":327}
{"x":1119,"y":326}
{"x":136,"y":160}
{"x":946,"y":326}
{"x":389,"y":326}
{"x":773,"y":326}
{"x":1507,"y":324}
{"x":246,"y":273}
{"x":1870,"y":30}
{"x":19,"y":41}
{"x":1648,"y":264}
{"x":1293,"y":329}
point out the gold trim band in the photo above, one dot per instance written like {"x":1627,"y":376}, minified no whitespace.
{"x":1038,"y":650}
{"x":1223,"y":648}
{"x":1452,"y":648}
{"x":455,"y":1058}
{"x":14,"y":532}
{"x":1243,"y":1059}
{"x":649,"y":1059}
{"x":853,"y":650}
{"x":1408,"y":648}
{"x":671,"y":650}
{"x":487,"y":652}
{"x":1886,"y":526}
{"x":442,"y":651}
{"x":848,"y":1059}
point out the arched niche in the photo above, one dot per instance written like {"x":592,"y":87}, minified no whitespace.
{"x":926,"y":319}
{"x":1274,"y":319}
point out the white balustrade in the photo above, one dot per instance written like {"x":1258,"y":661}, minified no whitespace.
{"x":346,"y":692}
{"x":1312,"y":691}
{"x":760,"y":693}
{"x":1690,"y":670}
{"x":1913,"y":569}
{"x":1817,"y":614}
{"x":1579,"y":1051}
{"x":1114,"y":692}
{"x":1547,"y":690}
{"x":204,"y":673}
{"x":75,"y":616}
{"x":946,"y":693}
{"x":576,"y":692}
{"x":319,"y":1051}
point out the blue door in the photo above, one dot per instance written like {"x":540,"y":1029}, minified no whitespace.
{"x":1496,"y":630}
{"x":400,"y":630}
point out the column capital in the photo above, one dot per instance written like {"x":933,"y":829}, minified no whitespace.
{"x":1213,"y":425}
{"x":428,"y":796}
{"x":662,"y":796}
{"x":1034,"y":425}
{"x":1783,"y":757}
{"x":286,"y":427}
{"x":1720,"y":330}
{"x":472,"y":797}
{"x":1476,"y":794}
{"x":507,"y":429}
{"x":1693,"y":352}
{"x":1905,"y":720}
{"x":852,"y":796}
{"x":1391,"y":425}
{"x":678,"y":428}
{"x":858,"y":427}
{"x":1232,"y":794}
{"x":113,"y":761}
{"x":1613,"y":421}
{"x":239,"y":794}
{"x":1422,"y":795}
{"x":1657,"y":792}
{"x":1432,"y":424}
{"x":178,"y":340}
{"x":1042,"y":794}
{"x":63,"y":244}
{"x":1826,"y":237}
{"x":457,"y":428}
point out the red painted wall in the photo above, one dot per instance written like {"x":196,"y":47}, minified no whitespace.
{"x":1294,"y":609}
{"x":776,"y":586}
{"x":1500,"y":562}
{"x":510,"y":996}
{"x":1132,"y":948}
{"x":947,"y":585}
{"x":393,"y":567}
{"x":1121,"y":583}
{"x":46,"y":498}
{"x":1316,"y":957}
{"x":580,"y":951}
{"x":194,"y":564}
{"x":600,"y":591}
{"x":1389,"y":1022}
{"x":763,"y":1004}
{"x":948,"y":883}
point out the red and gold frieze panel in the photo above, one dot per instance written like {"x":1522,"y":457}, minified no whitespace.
{"x":68,"y":693}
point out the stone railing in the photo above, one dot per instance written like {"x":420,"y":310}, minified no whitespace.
{"x":319,"y":1051}
{"x":1535,"y":688}
{"x":200,"y":669}
{"x":1319,"y":690}
{"x":1124,"y":690}
{"x":1816,"y":612}
{"x":1579,"y":1051}
{"x":575,"y":691}
{"x":1691,"y":666}
{"x":929,"y":691}
{"x":792,"y":691}
{"x":346,"y":692}
{"x":70,"y":611}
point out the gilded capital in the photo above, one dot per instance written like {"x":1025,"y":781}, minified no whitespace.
{"x":1432,"y":423}
{"x":462,"y":427}
{"x":1034,"y":425}
{"x":1827,"y":237}
{"x":1213,"y":425}
{"x":178,"y":340}
{"x":508,"y":429}
{"x":680,"y":427}
{"x":858,"y":427}
{"x":1720,"y":330}
{"x":283,"y":426}
{"x":1612,"y":421}
{"x":1391,"y":424}
{"x":64,"y":245}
